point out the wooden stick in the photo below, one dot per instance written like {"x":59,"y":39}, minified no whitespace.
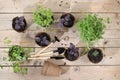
{"x":31,"y":58}
{"x":47,"y":53}
{"x":42,"y":50}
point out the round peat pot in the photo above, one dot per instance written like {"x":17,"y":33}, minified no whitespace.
{"x":95,"y":55}
{"x":19,"y":24}
{"x":67,"y":20}
{"x":16,"y":53}
{"x":42,"y":39}
{"x":50,"y":69}
{"x":71,"y":55}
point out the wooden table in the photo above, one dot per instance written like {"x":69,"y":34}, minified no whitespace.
{"x":82,"y":69}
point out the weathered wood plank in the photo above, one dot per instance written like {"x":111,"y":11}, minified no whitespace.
{"x":10,"y":6}
{"x":95,"y":6}
{"x":111,"y":57}
{"x":6,"y":19}
{"x":111,"y":38}
{"x":72,"y":73}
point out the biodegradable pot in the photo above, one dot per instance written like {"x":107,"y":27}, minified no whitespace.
{"x":50,"y":69}
{"x":15,"y":50}
{"x":43,"y":39}
{"x":68,"y":20}
{"x":95,"y":55}
{"x":19,"y":24}
{"x":71,"y":56}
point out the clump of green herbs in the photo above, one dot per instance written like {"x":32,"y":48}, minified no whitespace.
{"x":18,"y":69}
{"x":91,"y":29}
{"x":43,"y":16}
{"x":17,"y":55}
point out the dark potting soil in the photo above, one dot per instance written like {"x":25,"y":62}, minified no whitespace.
{"x":95,"y":58}
{"x":42,"y":39}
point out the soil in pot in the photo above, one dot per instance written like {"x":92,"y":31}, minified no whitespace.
{"x":72,"y":53}
{"x":16,"y":53}
{"x":42,"y":39}
{"x":19,"y":24}
{"x":95,"y":55}
{"x":67,"y":20}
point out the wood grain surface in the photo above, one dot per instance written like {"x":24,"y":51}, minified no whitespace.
{"x":81,"y":69}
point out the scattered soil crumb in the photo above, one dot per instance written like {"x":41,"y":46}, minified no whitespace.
{"x":110,"y":57}
{"x":105,"y":42}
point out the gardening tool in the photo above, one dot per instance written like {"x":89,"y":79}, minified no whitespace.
{"x":60,"y":50}
{"x":47,"y":57}
{"x":56,"y":39}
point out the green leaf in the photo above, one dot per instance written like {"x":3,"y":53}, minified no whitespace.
{"x":90,"y":29}
{"x":43,"y":16}
{"x":7,"y":41}
{"x":95,"y":53}
{"x":108,"y":20}
{"x":1,"y":66}
{"x":18,"y":69}
{"x":4,"y":58}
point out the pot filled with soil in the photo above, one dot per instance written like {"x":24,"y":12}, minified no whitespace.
{"x":95,"y":55}
{"x":72,"y":53}
{"x":19,"y":24}
{"x":43,"y":39}
{"x":66,"y":20}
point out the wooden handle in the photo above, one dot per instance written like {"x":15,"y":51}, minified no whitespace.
{"x":31,"y":58}
{"x":42,"y":50}
{"x":47,"y":53}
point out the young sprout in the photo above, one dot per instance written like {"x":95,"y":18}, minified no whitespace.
{"x":95,"y":53}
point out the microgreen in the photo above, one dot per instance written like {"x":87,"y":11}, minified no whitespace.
{"x":29,"y":50}
{"x":95,"y":53}
{"x":7,"y":41}
{"x":108,"y":20}
{"x":4,"y":58}
{"x":43,"y":16}
{"x":1,"y":66}
{"x":91,"y":29}
{"x":5,"y":51}
{"x":17,"y":55}
{"x":18,"y":69}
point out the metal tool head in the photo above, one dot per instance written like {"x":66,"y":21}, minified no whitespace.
{"x":60,"y":50}
{"x":56,"y":39}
